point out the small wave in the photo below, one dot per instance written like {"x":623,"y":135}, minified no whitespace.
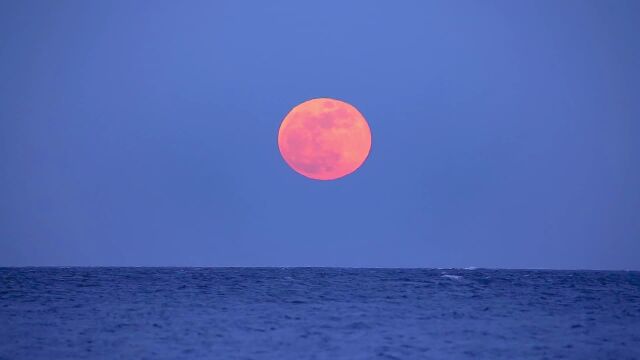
{"x":453,"y":277}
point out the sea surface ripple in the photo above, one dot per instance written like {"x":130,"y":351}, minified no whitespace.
{"x":317,"y":313}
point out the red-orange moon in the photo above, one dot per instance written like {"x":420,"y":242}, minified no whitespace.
{"x":324,"y":139}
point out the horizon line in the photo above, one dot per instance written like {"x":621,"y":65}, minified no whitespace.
{"x":468,"y":268}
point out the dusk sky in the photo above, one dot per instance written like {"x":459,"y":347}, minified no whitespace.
{"x":505,"y":134}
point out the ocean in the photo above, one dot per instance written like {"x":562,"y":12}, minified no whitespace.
{"x":317,"y":313}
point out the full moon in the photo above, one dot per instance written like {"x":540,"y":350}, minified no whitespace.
{"x":324,"y":139}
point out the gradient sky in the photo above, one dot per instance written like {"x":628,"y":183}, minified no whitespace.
{"x":505,"y":133}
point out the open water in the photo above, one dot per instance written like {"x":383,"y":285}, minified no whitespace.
{"x":317,"y":313}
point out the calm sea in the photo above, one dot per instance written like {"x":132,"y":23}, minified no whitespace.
{"x":317,"y":313}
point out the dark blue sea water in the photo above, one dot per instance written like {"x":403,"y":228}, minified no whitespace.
{"x":316,"y":313}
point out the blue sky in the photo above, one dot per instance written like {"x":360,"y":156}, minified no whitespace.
{"x":505,"y":133}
